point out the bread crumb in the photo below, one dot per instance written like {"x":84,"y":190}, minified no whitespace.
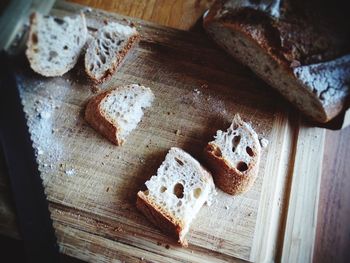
{"x":118,"y":229}
{"x":95,"y":89}
{"x":263,"y":142}
{"x":226,"y":207}
{"x":177,"y":132}
{"x":39,"y":151}
{"x":107,"y":189}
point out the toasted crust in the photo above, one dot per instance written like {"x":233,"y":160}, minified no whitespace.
{"x":160,"y":218}
{"x":94,"y":116}
{"x":132,"y":41}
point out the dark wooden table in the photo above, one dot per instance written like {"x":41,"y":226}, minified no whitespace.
{"x":333,"y":228}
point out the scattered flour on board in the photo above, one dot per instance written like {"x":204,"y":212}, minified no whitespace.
{"x":201,"y":99}
{"x":70,"y":172}
{"x":40,"y":113}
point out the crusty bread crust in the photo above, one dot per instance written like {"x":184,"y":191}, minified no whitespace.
{"x":281,"y":51}
{"x":228,"y":178}
{"x":319,"y":113}
{"x":160,"y":218}
{"x":132,"y":41}
{"x":94,"y":116}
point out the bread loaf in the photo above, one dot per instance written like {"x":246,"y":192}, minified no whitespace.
{"x":300,"y":48}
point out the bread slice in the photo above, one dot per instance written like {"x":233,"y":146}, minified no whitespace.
{"x":300,"y":48}
{"x":106,"y":52}
{"x":234,"y":157}
{"x":54,"y":44}
{"x":175,"y":195}
{"x":116,"y":112}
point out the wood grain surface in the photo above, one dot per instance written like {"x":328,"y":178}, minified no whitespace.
{"x":91,"y":184}
{"x":173,"y":13}
{"x":333,"y":230}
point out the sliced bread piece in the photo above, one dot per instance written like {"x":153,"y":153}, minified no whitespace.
{"x":105,"y":53}
{"x":234,"y":157}
{"x":175,"y":195}
{"x":54,"y":44}
{"x":116,"y":112}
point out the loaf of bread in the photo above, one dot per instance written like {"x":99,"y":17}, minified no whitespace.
{"x":54,"y":44}
{"x":301,"y":48}
{"x":116,"y":112}
{"x":175,"y":195}
{"x":108,"y":48}
{"x":234,"y":157}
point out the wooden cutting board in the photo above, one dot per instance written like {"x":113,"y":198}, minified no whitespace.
{"x":91,"y":184}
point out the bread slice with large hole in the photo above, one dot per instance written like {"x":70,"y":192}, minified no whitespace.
{"x":54,"y":44}
{"x":234,"y":157}
{"x":106,"y":52}
{"x":175,"y":195}
{"x":116,"y":112}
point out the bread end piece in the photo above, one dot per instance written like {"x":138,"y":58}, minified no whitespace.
{"x":160,"y":218}
{"x":116,"y":112}
{"x":98,"y":121}
{"x":234,"y":157}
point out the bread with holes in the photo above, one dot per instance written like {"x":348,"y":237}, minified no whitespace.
{"x":175,"y":195}
{"x":234,"y":157}
{"x":106,"y":52}
{"x":54,"y":44}
{"x":116,"y":112}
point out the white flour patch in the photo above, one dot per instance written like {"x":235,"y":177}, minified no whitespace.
{"x":70,"y":172}
{"x":41,"y":112}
